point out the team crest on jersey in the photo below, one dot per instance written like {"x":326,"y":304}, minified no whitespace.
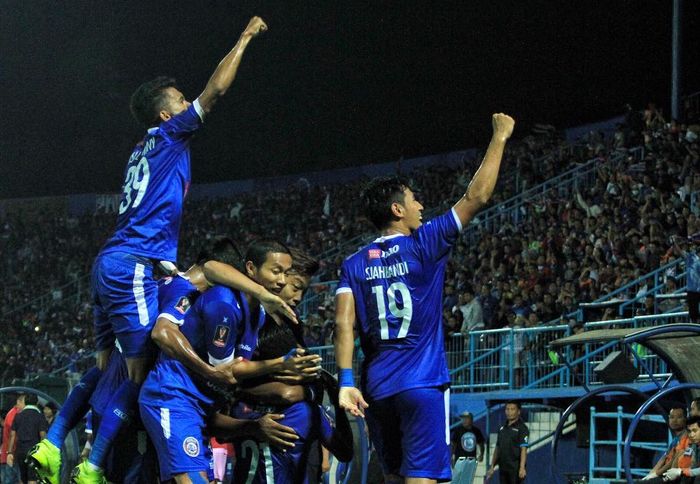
{"x":374,"y":253}
{"x":468,"y":441}
{"x":191,"y":446}
{"x":221,"y":335}
{"x":183,"y":304}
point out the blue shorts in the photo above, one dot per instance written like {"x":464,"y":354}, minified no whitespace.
{"x":177,"y":433}
{"x":269,"y":464}
{"x":410,"y":432}
{"x":125,"y":299}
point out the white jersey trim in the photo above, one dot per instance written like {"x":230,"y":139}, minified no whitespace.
{"x":457,"y":220}
{"x":387,"y":237}
{"x":343,"y":290}
{"x":215,"y":361}
{"x":140,"y":295}
{"x":171,"y":318}
{"x":198,"y":108}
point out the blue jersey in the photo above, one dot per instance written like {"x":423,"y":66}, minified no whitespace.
{"x":397,"y":282}
{"x":216,"y":325}
{"x":156,"y":181}
{"x":175,"y":297}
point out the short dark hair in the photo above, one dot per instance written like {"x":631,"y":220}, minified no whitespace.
{"x":514,"y":402}
{"x":257,"y":251}
{"x":695,"y":419}
{"x":302,"y":263}
{"x":31,"y":399}
{"x":148,"y":99}
{"x":274,"y":340}
{"x":678,"y":406}
{"x":221,"y":249}
{"x":378,"y":195}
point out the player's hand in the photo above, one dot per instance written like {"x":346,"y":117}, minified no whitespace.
{"x":10,"y":460}
{"x":297,"y":361}
{"x":223,"y":372}
{"x":276,"y":307}
{"x":522,"y":473}
{"x":255,"y":26}
{"x":672,"y":474}
{"x":502,"y":126}
{"x":351,"y":399}
{"x":275,"y":433}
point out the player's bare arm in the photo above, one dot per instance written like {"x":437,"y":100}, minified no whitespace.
{"x":264,"y":429}
{"x":297,"y":362}
{"x":273,"y":393}
{"x":220,"y":273}
{"x":172,"y":342}
{"x":350,"y":397}
{"x":484,"y":180}
{"x":226,"y":71}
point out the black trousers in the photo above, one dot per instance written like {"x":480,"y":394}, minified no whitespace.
{"x":693,"y":301}
{"x":509,"y":476}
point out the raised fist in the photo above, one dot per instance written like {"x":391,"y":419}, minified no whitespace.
{"x":255,"y":26}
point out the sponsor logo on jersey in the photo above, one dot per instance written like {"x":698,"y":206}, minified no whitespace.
{"x":183,"y":304}
{"x":245,"y":347}
{"x":221,"y":335}
{"x":374,"y":253}
{"x":191,"y":446}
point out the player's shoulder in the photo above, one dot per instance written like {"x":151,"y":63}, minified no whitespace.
{"x":175,"y":284}
{"x":220,"y":293}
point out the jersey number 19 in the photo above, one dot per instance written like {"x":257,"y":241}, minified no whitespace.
{"x":404,"y":313}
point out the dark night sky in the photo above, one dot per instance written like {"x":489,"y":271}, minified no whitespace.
{"x":331,"y":84}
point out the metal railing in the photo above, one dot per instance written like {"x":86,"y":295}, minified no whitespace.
{"x":600,"y":471}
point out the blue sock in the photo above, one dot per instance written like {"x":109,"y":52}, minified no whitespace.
{"x":74,"y":409}
{"x":119,"y":411}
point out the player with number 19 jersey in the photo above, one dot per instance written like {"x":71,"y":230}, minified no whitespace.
{"x":396,"y":282}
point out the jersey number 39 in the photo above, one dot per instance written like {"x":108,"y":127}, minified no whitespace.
{"x":403,"y":314}
{"x":135,"y":185}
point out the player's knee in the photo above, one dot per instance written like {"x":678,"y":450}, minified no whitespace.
{"x":191,"y":478}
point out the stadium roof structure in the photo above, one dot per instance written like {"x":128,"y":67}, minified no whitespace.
{"x":677,"y":344}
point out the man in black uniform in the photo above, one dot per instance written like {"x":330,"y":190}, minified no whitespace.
{"x":511,"y":448}
{"x":466,"y":438}
{"x":28,"y":428}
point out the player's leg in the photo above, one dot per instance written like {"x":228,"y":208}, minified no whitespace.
{"x":426,"y":450}
{"x":383,"y":424}
{"x":45,"y":457}
{"x":130,"y":297}
{"x":176,"y":433}
{"x":219,"y":459}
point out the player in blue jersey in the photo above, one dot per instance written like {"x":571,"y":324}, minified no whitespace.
{"x":125,"y":294}
{"x":391,"y":290}
{"x":177,"y":400}
{"x":259,"y":463}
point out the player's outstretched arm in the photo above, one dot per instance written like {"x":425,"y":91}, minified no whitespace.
{"x":219,"y":273}
{"x":484,"y":180}
{"x":172,"y":342}
{"x":350,"y":398}
{"x":226,"y":71}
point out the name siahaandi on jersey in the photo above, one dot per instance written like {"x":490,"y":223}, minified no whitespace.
{"x":381,"y":272}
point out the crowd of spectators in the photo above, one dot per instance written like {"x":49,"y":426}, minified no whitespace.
{"x":566,"y":250}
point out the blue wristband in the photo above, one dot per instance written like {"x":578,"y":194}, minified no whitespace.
{"x":345,"y":378}
{"x":292,"y":353}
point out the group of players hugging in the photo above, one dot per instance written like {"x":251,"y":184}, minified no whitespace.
{"x":217,"y":351}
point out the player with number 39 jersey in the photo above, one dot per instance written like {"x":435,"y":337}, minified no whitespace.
{"x":156,"y":182}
